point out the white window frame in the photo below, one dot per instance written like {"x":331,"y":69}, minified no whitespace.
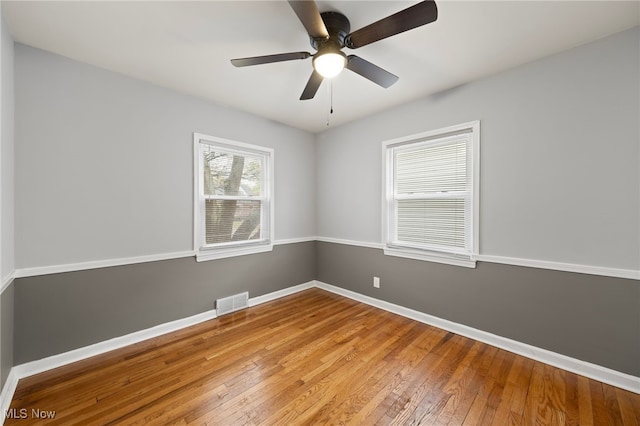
{"x":466,"y":258}
{"x":205,"y":251}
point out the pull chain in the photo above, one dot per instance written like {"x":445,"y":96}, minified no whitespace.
{"x":331,"y":111}
{"x":331,"y":102}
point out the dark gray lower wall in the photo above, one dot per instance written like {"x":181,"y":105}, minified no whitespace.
{"x":591,"y":318}
{"x":6,"y":332}
{"x":60,"y":312}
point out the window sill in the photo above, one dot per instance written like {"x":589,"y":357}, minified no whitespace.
{"x":446,"y":258}
{"x":213,"y":254}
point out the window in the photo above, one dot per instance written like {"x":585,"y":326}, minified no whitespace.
{"x":431,"y":195}
{"x":233,"y":212}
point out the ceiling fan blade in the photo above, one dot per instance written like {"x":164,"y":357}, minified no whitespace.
{"x":257,"y":60}
{"x":407,"y":19}
{"x":312,"y":86}
{"x":309,"y":15}
{"x":370,"y":71}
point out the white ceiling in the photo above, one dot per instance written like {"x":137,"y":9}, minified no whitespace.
{"x":186,"y":46}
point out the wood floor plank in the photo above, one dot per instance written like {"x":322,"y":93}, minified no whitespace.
{"x":612,"y":404}
{"x":584,"y":401}
{"x":317,"y":358}
{"x":503,"y":408}
{"x":459,"y":383}
{"x":630,"y":413}
{"x":571,"y":406}
{"x":599,"y":409}
{"x":412,"y":378}
{"x":425,"y":406}
{"x":480,"y":369}
{"x":519,"y":398}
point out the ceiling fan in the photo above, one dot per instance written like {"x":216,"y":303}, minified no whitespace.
{"x":329,"y":33}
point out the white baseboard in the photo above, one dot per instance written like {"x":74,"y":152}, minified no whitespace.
{"x":592,"y":371}
{"x":280,"y":293}
{"x":6,"y":395}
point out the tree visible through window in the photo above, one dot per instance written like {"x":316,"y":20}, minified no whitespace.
{"x":228,"y":180}
{"x":234,"y":194}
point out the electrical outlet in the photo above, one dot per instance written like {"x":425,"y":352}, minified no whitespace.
{"x":376,"y":282}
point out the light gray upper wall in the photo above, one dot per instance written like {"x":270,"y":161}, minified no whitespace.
{"x":104,"y":163}
{"x":6,"y":154}
{"x":560,"y":159}
{"x":6,"y":200}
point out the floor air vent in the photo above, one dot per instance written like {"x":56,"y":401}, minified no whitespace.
{"x":232,"y":303}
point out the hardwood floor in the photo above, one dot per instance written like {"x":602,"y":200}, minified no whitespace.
{"x":317,"y":358}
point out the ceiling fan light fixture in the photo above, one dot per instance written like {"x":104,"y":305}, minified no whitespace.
{"x":329,"y":32}
{"x":330,"y":64}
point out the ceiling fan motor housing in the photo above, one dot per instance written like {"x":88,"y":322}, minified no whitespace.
{"x":338,"y":27}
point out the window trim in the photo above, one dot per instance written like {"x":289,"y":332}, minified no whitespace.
{"x":392,"y":249}
{"x":239,"y":248}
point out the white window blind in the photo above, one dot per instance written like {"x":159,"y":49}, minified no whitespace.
{"x":430,"y":194}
